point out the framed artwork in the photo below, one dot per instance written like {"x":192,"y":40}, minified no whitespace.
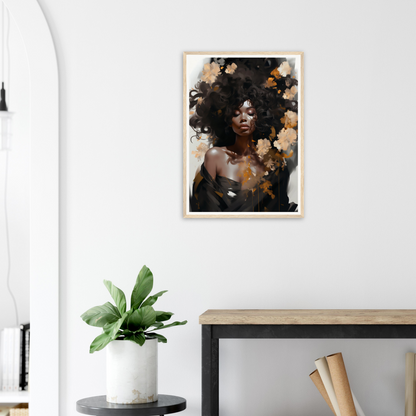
{"x":243,"y":135}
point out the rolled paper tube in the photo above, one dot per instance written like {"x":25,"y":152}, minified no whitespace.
{"x":323,"y":370}
{"x":357,"y":406}
{"x":341,"y":384}
{"x":409,"y":407}
{"x":316,"y":378}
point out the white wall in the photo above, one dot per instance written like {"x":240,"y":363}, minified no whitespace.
{"x":18,"y":209}
{"x":121,"y":192}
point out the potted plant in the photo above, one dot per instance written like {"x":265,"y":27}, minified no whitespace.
{"x":131,"y":340}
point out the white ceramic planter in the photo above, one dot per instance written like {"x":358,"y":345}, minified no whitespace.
{"x":132,"y":372}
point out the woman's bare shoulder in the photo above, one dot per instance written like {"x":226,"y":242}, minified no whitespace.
{"x":214,"y":158}
{"x":215,"y":153}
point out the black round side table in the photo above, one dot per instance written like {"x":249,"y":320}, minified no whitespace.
{"x":99,"y":406}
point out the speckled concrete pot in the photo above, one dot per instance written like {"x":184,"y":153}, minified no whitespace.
{"x":132,"y":372}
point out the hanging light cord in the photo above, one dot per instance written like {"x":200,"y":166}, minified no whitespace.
{"x":9,"y":259}
{"x":8,"y":54}
{"x":2,"y":41}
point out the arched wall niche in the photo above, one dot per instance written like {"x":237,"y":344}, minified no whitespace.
{"x":44,"y":206}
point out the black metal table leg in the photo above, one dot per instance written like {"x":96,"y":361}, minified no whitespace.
{"x":210,"y":372}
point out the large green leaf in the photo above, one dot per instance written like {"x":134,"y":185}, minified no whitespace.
{"x":148,"y":316}
{"x":118,"y":296}
{"x":138,"y":338}
{"x":112,"y":329}
{"x":124,"y":324}
{"x":101,"y":315}
{"x":141,"y":318}
{"x":160,"y":338}
{"x":172,"y":324}
{"x":133,"y":321}
{"x":151,"y":300}
{"x":100,"y":342}
{"x":163,"y":316}
{"x":143,"y":286}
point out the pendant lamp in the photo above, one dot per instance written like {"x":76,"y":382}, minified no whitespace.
{"x":5,"y":121}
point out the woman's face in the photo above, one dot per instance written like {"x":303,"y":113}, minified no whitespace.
{"x":244,"y":119}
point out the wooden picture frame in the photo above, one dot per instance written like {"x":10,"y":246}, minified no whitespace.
{"x":243,"y":160}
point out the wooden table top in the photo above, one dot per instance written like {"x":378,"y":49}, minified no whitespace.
{"x":308,"y":317}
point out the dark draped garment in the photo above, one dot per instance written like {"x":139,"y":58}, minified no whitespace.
{"x":227,"y":195}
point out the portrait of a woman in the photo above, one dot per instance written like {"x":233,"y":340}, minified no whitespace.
{"x":244,"y":116}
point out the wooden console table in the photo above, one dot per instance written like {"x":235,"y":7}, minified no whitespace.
{"x":289,"y":323}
